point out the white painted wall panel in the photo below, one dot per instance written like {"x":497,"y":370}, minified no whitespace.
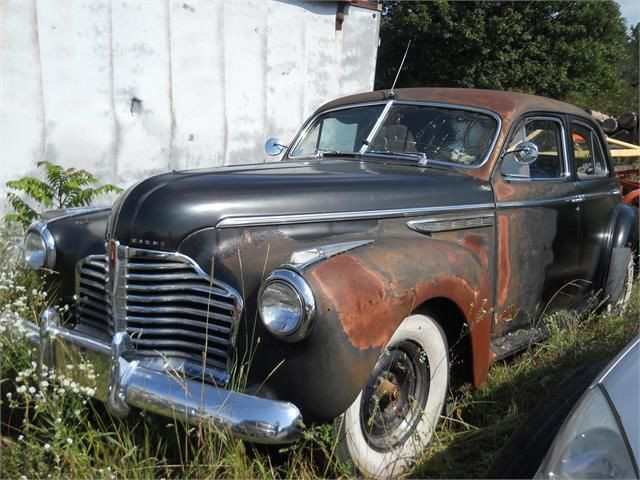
{"x":22,"y":133}
{"x":198,"y":93}
{"x":360,"y":31}
{"x":244,"y":59}
{"x":214,"y":80}
{"x":142,"y":71}
{"x":75,"y":52}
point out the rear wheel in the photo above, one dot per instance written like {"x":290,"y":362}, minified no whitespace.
{"x":394,"y":417}
{"x":622,"y":274}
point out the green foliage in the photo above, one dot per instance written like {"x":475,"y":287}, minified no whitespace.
{"x":571,"y":50}
{"x":63,"y":188}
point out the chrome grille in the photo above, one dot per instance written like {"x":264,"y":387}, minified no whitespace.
{"x":93,"y":304}
{"x":171,"y":308}
{"x":174,"y":310}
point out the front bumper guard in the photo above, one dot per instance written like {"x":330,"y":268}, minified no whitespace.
{"x":124,"y":382}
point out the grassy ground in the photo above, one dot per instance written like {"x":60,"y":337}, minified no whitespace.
{"x":52,"y":428}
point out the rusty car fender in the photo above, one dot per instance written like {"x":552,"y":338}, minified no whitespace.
{"x":370,"y":291}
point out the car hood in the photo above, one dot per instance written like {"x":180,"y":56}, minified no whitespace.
{"x":164,"y":209}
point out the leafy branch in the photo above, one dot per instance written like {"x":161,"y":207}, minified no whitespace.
{"x":63,"y":188}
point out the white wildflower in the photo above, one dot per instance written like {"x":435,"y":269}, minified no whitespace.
{"x":21,"y":438}
{"x":58,"y":420}
{"x":21,"y":389}
{"x":69,"y":441}
{"x":32,"y":390}
{"x":47,"y":446}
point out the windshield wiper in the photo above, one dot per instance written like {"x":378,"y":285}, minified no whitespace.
{"x":421,"y":156}
{"x":320,"y":153}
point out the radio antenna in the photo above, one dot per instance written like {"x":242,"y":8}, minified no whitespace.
{"x":391,"y":92}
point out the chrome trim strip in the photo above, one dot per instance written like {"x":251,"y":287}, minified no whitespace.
{"x":449,"y":223}
{"x":302,"y":259}
{"x":610,"y":193}
{"x":376,"y":127}
{"x":231,"y":222}
{"x":578,"y":198}
{"x":540,"y":202}
{"x":118,"y":285}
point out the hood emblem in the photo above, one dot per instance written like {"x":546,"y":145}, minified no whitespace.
{"x":148,"y":243}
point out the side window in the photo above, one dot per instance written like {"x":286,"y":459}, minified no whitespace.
{"x":588,"y":157}
{"x":546,"y":134}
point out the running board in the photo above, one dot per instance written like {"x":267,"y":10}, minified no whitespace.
{"x":515,"y":342}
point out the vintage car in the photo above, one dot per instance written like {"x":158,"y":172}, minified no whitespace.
{"x":407,"y":238}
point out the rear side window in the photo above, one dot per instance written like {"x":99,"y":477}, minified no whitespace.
{"x":546,"y":134}
{"x":588,"y":156}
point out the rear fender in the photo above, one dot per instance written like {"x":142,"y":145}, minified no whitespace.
{"x":622,"y":233}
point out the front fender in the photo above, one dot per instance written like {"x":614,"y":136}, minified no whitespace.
{"x":365,"y":294}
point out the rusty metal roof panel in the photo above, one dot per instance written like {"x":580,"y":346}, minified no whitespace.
{"x":505,"y":104}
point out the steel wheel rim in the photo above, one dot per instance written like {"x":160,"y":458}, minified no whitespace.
{"x":395,"y":395}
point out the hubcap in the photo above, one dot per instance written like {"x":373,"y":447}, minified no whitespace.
{"x":395,"y":396}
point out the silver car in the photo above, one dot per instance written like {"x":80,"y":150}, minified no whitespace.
{"x":601,"y":436}
{"x":584,"y":428}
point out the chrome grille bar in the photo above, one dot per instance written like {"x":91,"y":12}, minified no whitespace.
{"x":93,"y":304}
{"x":168,"y":305}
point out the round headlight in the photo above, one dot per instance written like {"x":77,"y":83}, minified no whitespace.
{"x":39,"y":247}
{"x":286,"y":305}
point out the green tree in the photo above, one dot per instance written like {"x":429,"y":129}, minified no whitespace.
{"x":62,"y":188}
{"x":562,"y":49}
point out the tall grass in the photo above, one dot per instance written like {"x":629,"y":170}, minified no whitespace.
{"x":52,"y":428}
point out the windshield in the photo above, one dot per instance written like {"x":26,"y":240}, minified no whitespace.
{"x":343,"y":131}
{"x":439,"y":133}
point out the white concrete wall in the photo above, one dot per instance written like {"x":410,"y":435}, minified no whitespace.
{"x":214,"y":78}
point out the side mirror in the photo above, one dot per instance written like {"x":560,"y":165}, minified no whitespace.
{"x":525,"y":153}
{"x":273,"y":147}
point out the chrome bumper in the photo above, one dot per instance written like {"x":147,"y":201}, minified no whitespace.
{"x":122,"y":382}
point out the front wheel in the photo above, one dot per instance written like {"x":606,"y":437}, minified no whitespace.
{"x":394,"y":417}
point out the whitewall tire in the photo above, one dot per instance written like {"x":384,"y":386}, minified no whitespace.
{"x":394,"y":417}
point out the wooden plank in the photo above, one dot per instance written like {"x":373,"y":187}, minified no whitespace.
{"x":622,"y":144}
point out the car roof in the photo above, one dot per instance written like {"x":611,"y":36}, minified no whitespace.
{"x":621,"y":380}
{"x":506,"y":104}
